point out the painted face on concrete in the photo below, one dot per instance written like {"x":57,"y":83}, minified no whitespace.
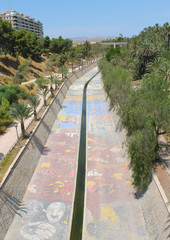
{"x":34,"y":207}
{"x":55,"y":211}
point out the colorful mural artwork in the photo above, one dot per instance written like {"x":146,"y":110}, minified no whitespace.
{"x":111,"y":212}
{"x":49,"y":197}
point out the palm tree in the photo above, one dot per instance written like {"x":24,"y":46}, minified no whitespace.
{"x":20,"y":111}
{"x":51,"y":78}
{"x":42,"y":82}
{"x":55,"y":80}
{"x":44,"y":92}
{"x":165,"y":70}
{"x":63,"y":70}
{"x":155,"y":65}
{"x":34,"y":101}
{"x":71,"y":58}
{"x":145,"y":53}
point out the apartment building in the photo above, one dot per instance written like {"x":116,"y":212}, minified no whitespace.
{"x":20,"y":21}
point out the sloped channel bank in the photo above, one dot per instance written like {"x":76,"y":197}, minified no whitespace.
{"x":154,"y":209}
{"x":16,"y":181}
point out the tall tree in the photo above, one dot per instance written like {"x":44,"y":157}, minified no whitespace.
{"x":71,"y":57}
{"x":62,"y":58}
{"x":60,"y":45}
{"x":27,"y":44}
{"x":6,"y":37}
{"x":46,"y":43}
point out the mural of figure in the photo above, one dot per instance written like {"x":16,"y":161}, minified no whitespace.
{"x":45,"y":220}
{"x":37,"y":231}
{"x":55,"y":211}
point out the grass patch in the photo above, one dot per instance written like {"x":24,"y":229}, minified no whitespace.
{"x":5,"y":163}
{"x":4,"y":124}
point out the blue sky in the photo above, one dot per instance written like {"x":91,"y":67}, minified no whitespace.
{"x":88,"y":18}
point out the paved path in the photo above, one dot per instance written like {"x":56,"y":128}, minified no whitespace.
{"x":49,"y":197}
{"x":9,"y":137}
{"x":111,"y":212}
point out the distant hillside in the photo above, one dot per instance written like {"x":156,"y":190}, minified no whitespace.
{"x":91,"y":39}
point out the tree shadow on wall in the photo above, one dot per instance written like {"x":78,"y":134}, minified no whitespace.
{"x":13,"y":205}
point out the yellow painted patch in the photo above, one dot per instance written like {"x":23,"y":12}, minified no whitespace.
{"x":68,"y":193}
{"x":131,"y":236}
{"x":51,"y":184}
{"x":107,"y":156}
{"x":118,"y":176}
{"x":65,"y":181}
{"x":91,"y":140}
{"x":108,"y":214}
{"x":90,"y":183}
{"x":47,"y":165}
{"x":56,"y":191}
{"x":68,"y":150}
{"x":22,"y":221}
{"x":128,"y":183}
{"x":65,"y":222}
{"x":61,"y":183}
{"x":91,"y":119}
{"x":63,"y":118}
{"x":57,"y":131}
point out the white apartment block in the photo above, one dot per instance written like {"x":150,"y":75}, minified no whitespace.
{"x":20,"y":21}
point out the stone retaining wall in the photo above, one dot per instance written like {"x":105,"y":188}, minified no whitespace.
{"x":155,"y":213}
{"x":16,"y":181}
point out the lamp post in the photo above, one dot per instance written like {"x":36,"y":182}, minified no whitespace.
{"x":16,"y":125}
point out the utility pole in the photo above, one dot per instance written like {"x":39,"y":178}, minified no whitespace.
{"x":168,"y":41}
{"x":19,"y":145}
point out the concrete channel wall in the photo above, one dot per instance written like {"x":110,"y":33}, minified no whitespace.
{"x":155,"y":213}
{"x":16,"y":181}
{"x":154,"y":208}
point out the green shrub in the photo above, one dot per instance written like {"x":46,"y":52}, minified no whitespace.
{"x":142,"y":150}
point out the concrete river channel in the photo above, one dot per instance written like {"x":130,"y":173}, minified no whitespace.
{"x":81,"y":187}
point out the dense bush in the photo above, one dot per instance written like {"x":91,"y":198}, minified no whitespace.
{"x":142,"y":149}
{"x":12,"y":93}
{"x":144,"y":111}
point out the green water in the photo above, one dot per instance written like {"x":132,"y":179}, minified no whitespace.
{"x":77,"y":220}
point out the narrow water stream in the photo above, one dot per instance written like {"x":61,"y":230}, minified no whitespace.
{"x":77,"y":220}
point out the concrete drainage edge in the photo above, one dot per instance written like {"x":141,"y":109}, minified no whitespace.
{"x":162,"y":193}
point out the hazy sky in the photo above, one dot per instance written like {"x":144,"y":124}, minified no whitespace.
{"x":88,"y":18}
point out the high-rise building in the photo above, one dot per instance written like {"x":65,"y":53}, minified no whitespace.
{"x":20,"y":21}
